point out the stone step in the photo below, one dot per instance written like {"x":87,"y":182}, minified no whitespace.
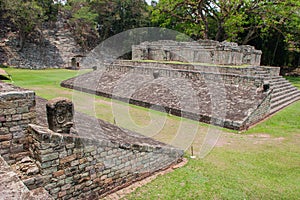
{"x":279,"y":89}
{"x":284,"y":96}
{"x":284,"y":103}
{"x":287,"y":98}
{"x":283,"y":91}
{"x":280,"y":84}
{"x":276,"y":78}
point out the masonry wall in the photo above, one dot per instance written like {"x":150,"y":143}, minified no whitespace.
{"x":87,"y":168}
{"x":229,"y":78}
{"x":246,"y":71}
{"x":16,"y":112}
{"x":202,"y":51}
{"x":262,"y":111}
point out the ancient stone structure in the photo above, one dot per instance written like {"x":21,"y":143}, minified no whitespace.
{"x":202,"y":51}
{"x":12,"y":187}
{"x":230,"y":97}
{"x":16,"y":112}
{"x":60,"y":115}
{"x":52,"y":48}
{"x":89,"y":163}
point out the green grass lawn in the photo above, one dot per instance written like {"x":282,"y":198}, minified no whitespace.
{"x":262,"y":163}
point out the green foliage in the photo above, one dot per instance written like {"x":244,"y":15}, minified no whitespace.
{"x":273,"y":26}
{"x":27,"y":16}
{"x":107,"y":18}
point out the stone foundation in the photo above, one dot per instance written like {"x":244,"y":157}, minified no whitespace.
{"x":12,"y":187}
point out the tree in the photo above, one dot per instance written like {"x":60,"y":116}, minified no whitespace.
{"x":241,"y":21}
{"x":82,"y":21}
{"x":25,"y":15}
{"x":120,"y":15}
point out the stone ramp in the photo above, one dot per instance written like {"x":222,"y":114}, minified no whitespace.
{"x":216,"y":98}
{"x":12,"y":187}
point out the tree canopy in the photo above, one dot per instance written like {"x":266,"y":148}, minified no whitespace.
{"x":273,"y":26}
{"x":270,"y":25}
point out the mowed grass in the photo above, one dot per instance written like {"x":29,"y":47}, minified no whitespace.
{"x":262,"y":163}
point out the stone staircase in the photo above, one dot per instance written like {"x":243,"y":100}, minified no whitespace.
{"x":284,"y":93}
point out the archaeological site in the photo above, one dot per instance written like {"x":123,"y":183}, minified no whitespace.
{"x":51,"y":151}
{"x":218,"y":83}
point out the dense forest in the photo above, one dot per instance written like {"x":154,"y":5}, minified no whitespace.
{"x":272,"y":26}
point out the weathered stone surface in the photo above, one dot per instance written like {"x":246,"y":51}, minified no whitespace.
{"x":81,"y":171}
{"x":12,"y":187}
{"x":60,"y":115}
{"x":202,"y":51}
{"x":54,"y":50}
{"x":14,"y":122}
{"x":215,"y":98}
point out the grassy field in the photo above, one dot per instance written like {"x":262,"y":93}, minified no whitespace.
{"x":262,"y":163}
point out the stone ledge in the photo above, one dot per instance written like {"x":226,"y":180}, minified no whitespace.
{"x":45,"y":135}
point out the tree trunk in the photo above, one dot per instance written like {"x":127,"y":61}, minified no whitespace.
{"x":22,"y":37}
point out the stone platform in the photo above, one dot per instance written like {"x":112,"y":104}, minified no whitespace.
{"x":230,"y":97}
{"x":216,"y":98}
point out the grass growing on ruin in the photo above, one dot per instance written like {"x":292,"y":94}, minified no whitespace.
{"x":192,"y":63}
{"x":262,"y":163}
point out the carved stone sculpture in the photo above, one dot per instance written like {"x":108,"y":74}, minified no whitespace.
{"x":60,"y":115}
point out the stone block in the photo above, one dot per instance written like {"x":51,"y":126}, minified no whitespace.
{"x":48,"y":157}
{"x":58,"y":173}
{"x":4,"y":130}
{"x":5,"y":137}
{"x":68,"y":159}
{"x":60,"y":115}
{"x":48,"y":171}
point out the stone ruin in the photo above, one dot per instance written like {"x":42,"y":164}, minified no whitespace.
{"x":234,"y":97}
{"x":76,"y":159}
{"x":202,"y":51}
{"x":60,"y":113}
{"x":79,"y":160}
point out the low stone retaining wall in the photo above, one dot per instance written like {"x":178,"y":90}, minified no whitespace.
{"x":74,"y":166}
{"x":226,"y":78}
{"x":16,"y":112}
{"x":243,"y":70}
{"x":262,"y":111}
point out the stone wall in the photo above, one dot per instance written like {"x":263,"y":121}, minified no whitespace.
{"x":226,"y":78}
{"x":85,"y":168}
{"x":16,"y":112}
{"x":12,"y":187}
{"x":262,"y":111}
{"x":202,"y":51}
{"x":245,"y":71}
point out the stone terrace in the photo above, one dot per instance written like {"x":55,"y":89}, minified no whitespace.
{"x":222,"y":99}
